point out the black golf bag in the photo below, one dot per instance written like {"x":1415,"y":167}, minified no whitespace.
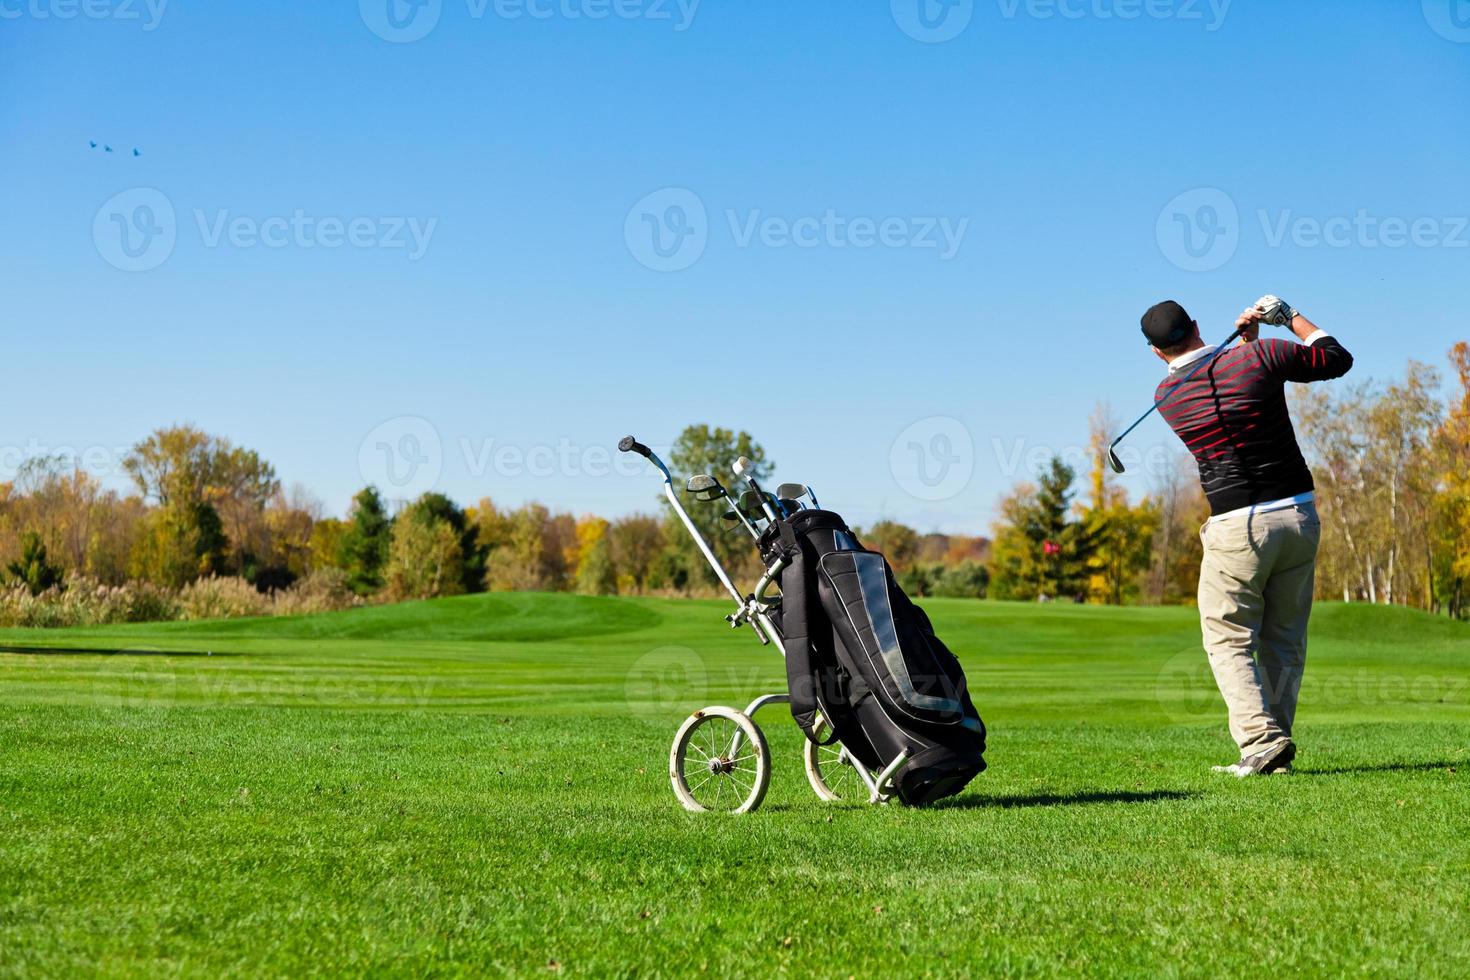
{"x":863,"y":655}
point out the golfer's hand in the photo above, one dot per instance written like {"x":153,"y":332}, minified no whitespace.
{"x":1249,"y":324}
{"x":1276,"y":311}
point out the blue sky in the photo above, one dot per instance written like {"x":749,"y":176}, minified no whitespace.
{"x":908,"y":254}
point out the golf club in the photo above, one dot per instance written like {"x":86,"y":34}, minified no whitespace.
{"x":1113,"y":460}
{"x":743,"y":468}
{"x":705,"y":487}
{"x":794,"y":492}
{"x":755,"y":504}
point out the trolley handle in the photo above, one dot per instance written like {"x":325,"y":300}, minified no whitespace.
{"x":630,"y":445}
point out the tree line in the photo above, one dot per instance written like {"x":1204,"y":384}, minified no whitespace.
{"x":210,"y":527}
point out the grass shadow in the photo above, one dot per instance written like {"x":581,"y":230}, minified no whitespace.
{"x":1381,"y":767}
{"x":106,"y":652}
{"x":1060,"y":799}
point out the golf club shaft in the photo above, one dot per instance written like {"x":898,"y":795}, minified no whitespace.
{"x":1160,"y":403}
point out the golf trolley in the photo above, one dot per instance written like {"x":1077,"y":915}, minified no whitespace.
{"x":720,"y":760}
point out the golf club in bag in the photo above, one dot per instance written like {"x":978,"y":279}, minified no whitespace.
{"x":882,"y":701}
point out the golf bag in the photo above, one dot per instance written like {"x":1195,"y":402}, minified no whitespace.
{"x":863,"y":655}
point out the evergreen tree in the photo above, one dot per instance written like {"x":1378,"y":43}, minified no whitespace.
{"x":364,"y":545}
{"x":33,"y":568}
{"x":1039,"y":550}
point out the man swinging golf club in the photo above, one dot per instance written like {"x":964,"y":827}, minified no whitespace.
{"x":1256,"y":579}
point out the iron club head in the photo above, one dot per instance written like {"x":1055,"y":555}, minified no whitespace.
{"x":704,"y":487}
{"x":1114,"y":461}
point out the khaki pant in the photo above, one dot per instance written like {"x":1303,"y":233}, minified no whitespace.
{"x":1255,"y":596}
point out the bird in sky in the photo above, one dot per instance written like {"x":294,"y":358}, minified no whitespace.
{"x":136,"y":153}
{"x":94,"y":143}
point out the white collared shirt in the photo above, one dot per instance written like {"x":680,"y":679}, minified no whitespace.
{"x":1185,"y":360}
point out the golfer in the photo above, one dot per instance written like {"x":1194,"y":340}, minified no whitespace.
{"x":1255,"y":582}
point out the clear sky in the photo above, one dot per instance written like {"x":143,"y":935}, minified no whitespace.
{"x":905,"y":244}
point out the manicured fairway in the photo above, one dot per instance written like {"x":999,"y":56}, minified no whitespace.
{"x":479,"y":785}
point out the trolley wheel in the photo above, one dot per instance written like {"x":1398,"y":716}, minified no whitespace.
{"x":831,"y":770}
{"x":720,"y":762}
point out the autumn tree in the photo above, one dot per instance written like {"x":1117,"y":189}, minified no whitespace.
{"x":425,"y":555}
{"x":595,"y":573}
{"x":897,"y":542}
{"x":1118,"y":534}
{"x":634,"y":545}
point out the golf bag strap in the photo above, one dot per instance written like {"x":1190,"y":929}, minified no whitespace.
{"x":803,"y":677}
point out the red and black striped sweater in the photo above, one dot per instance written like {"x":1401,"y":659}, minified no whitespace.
{"x":1232,"y":416}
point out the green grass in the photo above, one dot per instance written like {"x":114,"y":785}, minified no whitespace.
{"x":479,"y":785}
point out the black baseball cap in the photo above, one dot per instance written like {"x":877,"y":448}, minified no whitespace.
{"x":1167,"y":325}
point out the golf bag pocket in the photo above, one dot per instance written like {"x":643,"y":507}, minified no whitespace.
{"x":891,"y":642}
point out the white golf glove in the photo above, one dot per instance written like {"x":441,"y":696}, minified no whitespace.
{"x":1275,"y":311}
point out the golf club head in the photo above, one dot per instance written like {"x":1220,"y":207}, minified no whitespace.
{"x":792,"y":491}
{"x":704,"y":487}
{"x":1114,"y":461}
{"x":730,"y":521}
{"x":751,"y":505}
